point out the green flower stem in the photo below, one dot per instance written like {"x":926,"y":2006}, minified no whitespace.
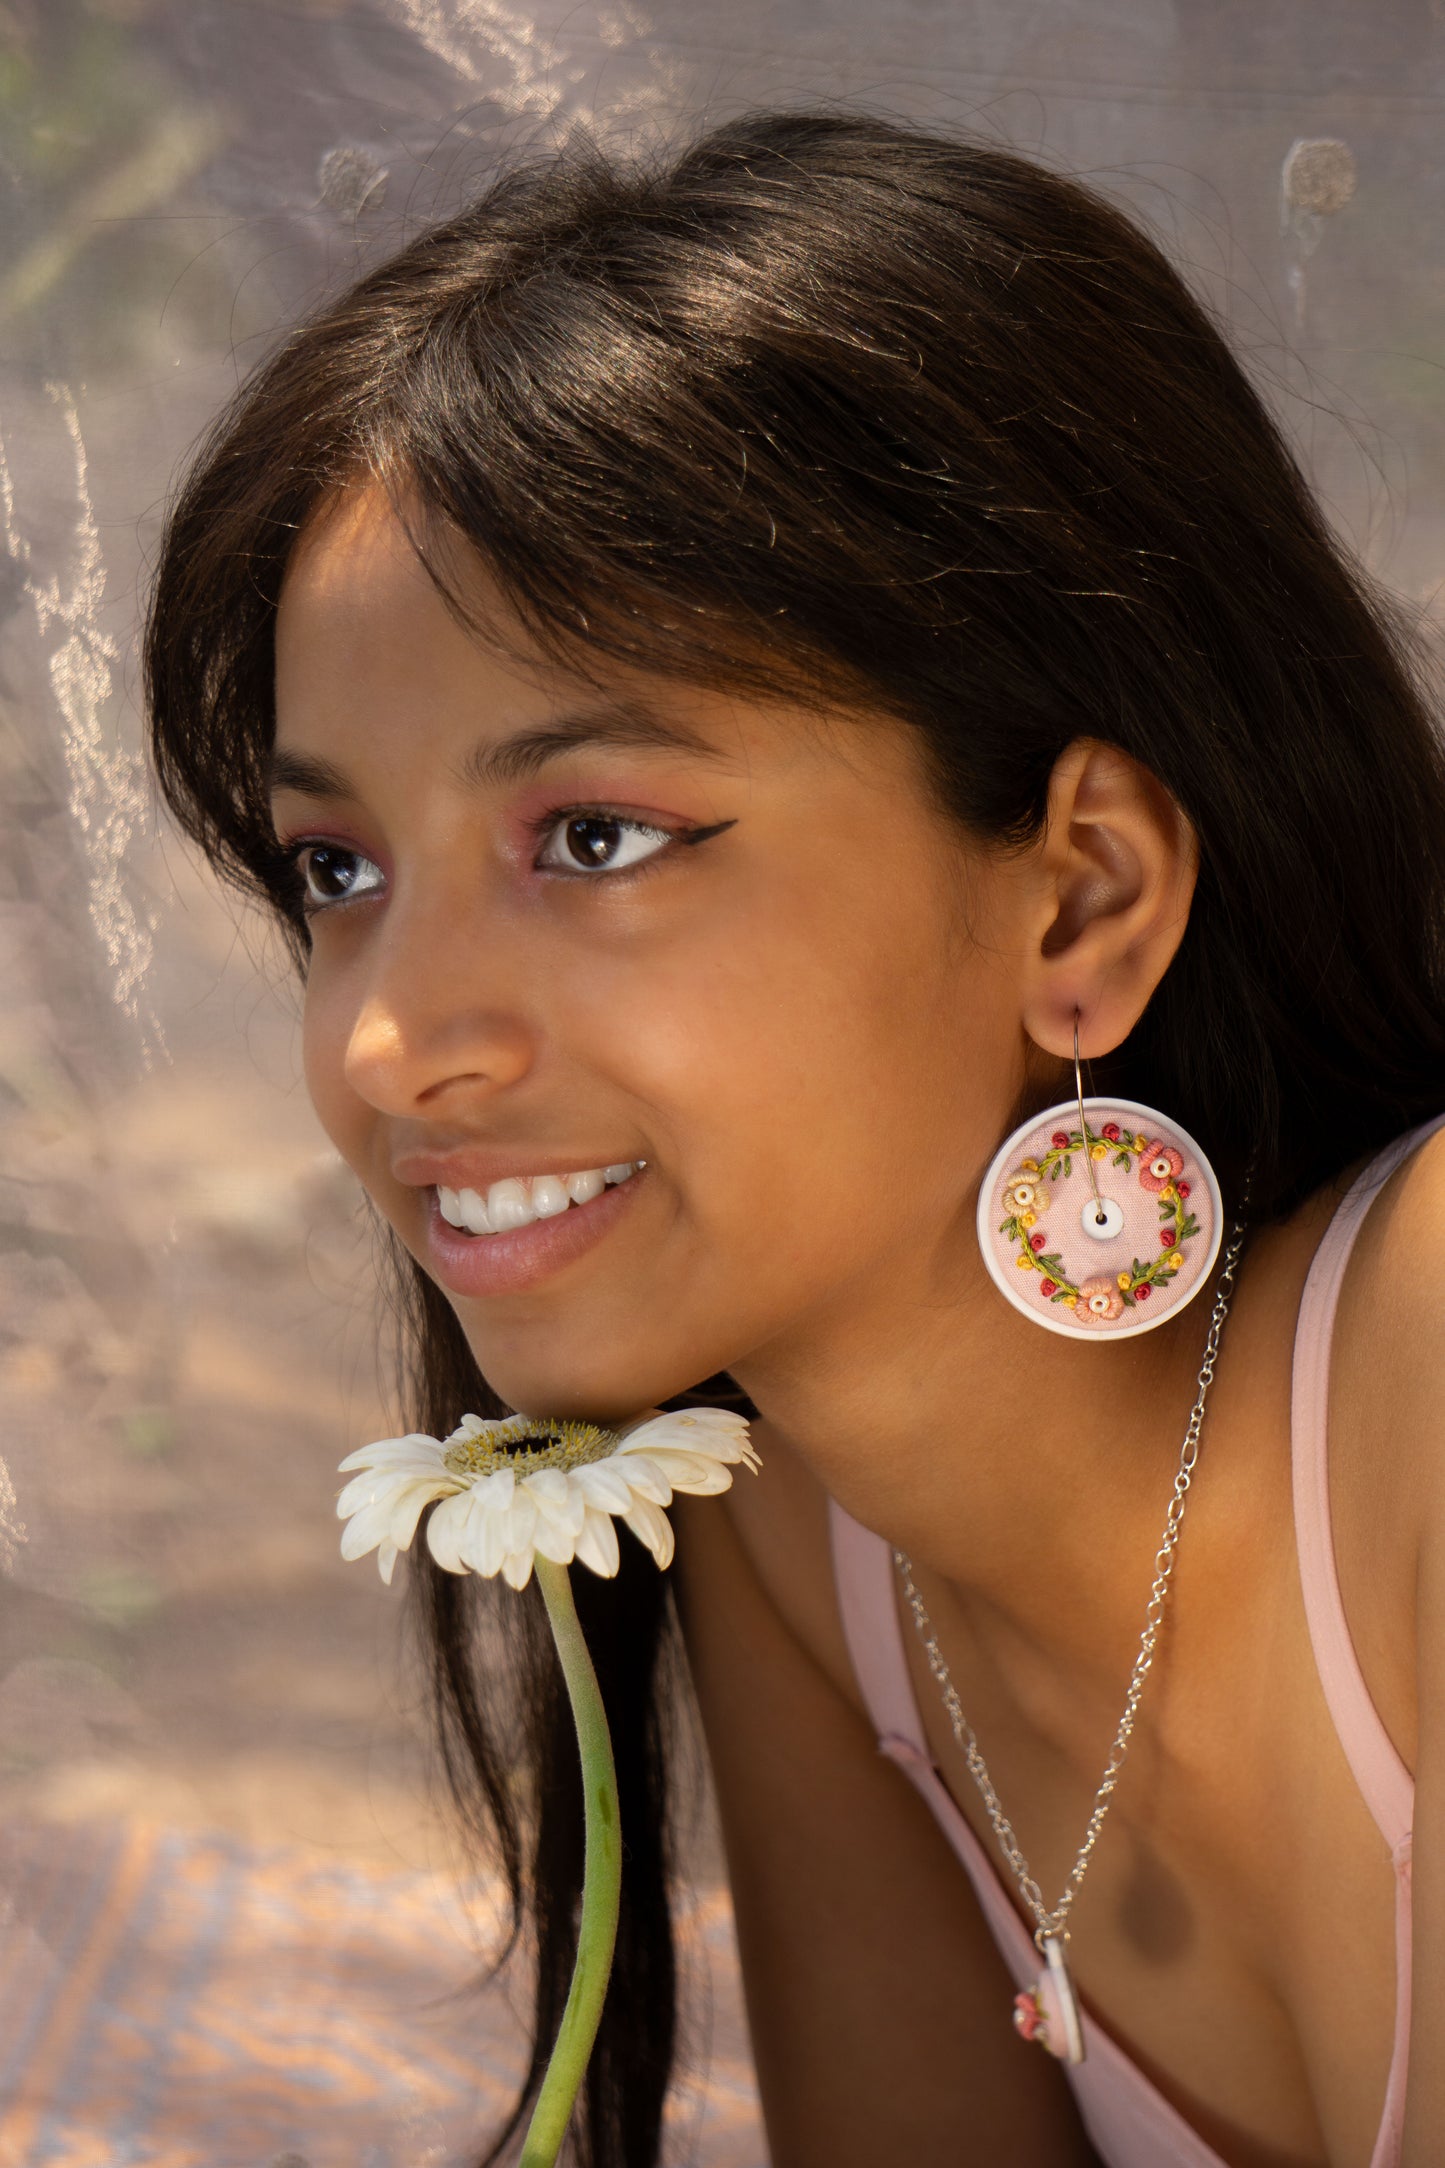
{"x":601,"y":1878}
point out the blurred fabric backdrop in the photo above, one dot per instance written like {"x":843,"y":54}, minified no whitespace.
{"x":234,"y":1930}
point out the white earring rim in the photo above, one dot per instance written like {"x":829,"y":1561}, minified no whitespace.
{"x":1012,"y":1145}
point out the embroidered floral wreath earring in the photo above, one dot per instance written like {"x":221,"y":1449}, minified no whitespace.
{"x":1099,"y":1216}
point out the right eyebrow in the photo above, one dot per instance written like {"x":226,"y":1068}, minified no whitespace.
{"x":308,"y":778}
{"x":516,"y":758}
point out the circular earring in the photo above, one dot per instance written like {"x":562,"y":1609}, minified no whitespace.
{"x":1099,"y":1216}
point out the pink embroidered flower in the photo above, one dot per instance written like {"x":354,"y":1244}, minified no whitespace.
{"x":1099,"y":1301}
{"x":1028,"y":2017}
{"x":1048,"y":1287}
{"x":1160,"y":1165}
{"x":1036,"y":1242}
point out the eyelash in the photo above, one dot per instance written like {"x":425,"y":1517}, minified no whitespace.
{"x":539,"y":829}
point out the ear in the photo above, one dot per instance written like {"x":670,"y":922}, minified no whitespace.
{"x":1115,"y":872}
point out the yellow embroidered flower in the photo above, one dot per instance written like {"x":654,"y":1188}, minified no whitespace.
{"x":1027,"y":1219}
{"x":1025,"y":1261}
{"x":1168,"y":1193}
{"x":1176,"y":1259}
{"x":1031,"y":1166}
{"x":1139,"y":1143}
{"x":1098,"y":1151}
{"x":1125,"y":1279}
{"x":1069,"y":1301}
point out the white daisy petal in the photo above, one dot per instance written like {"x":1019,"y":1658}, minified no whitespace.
{"x":487,"y":1541}
{"x":371,"y":1488}
{"x":395,"y":1452}
{"x":652,"y":1525}
{"x":391,"y":1519}
{"x":386,"y":1560}
{"x":519,"y":1522}
{"x":446,"y":1532}
{"x":498,"y":1489}
{"x":604,"y":1486}
{"x":517,"y":1568}
{"x":691,"y":1471}
{"x":597,"y":1545}
{"x":470,"y":1426}
{"x":644,"y":1478}
{"x":559,"y":1504}
{"x":551,"y":1540}
{"x":708,"y":1430}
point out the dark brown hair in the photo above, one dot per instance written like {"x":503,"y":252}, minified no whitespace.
{"x":829,"y":405}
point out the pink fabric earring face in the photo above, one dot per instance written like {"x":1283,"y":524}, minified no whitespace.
{"x":1108,"y":1269}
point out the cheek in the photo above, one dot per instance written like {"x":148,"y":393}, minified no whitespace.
{"x":325,"y":1034}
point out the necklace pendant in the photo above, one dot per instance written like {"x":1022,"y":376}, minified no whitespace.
{"x":1048,"y":2012}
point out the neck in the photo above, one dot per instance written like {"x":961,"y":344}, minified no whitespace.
{"x":1004,"y":1459}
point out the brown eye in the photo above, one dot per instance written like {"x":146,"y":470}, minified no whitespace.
{"x":331,"y":874}
{"x":599,"y":843}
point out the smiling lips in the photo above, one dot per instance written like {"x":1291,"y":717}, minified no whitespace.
{"x":520,"y":1199}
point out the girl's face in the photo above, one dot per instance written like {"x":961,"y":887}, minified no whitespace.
{"x":557,"y":930}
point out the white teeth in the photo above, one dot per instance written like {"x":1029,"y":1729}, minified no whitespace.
{"x":520,"y":1199}
{"x":464,"y":1208}
{"x":509,"y":1205}
{"x":473,"y":1209}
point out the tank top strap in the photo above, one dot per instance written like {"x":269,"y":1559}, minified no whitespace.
{"x":863,"y":1578}
{"x":1385,"y":1783}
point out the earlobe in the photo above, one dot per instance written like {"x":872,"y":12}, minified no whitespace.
{"x":1118,"y":862}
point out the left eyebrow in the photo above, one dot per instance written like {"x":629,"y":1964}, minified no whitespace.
{"x":626,"y":725}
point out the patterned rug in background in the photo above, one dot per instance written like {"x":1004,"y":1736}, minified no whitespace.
{"x":175,"y":2000}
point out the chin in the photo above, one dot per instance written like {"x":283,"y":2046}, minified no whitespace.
{"x":610,"y":1392}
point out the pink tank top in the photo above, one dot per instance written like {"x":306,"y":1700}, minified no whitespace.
{"x":1129,"y":2121}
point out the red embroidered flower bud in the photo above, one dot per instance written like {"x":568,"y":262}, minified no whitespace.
{"x":1048,"y":1287}
{"x":1141,"y":1294}
{"x":1036,"y":1242}
{"x":1060,"y":1137}
{"x":1111,"y":1131}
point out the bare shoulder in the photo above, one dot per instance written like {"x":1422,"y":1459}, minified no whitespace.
{"x":1390,"y":1333}
{"x":873,"y":1987}
{"x":1387,"y":1430}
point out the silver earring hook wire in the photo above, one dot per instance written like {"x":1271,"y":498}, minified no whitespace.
{"x":1083,"y":1131}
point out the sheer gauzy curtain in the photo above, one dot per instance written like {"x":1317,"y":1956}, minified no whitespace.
{"x":233,"y":1929}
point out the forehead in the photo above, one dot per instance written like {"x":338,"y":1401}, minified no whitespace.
{"x":367,"y":649}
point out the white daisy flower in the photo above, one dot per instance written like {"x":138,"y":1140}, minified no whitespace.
{"x":527,"y":1487}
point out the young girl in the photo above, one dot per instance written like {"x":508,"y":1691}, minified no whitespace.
{"x":733,"y":674}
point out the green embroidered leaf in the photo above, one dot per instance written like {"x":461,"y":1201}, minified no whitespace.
{"x":1121,"y":1159}
{"x":1068,"y":1163}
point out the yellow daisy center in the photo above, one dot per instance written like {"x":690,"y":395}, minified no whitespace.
{"x":526,"y":1443}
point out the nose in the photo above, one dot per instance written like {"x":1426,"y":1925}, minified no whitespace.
{"x":437,"y":1019}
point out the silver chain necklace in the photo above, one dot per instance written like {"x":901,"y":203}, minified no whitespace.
{"x":1049,"y":2012}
